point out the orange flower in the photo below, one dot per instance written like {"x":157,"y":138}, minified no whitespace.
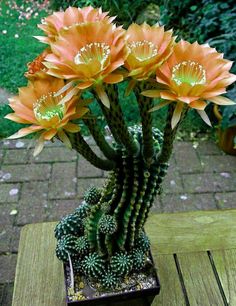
{"x":73,"y":15}
{"x":36,"y":68}
{"x":148,"y":47}
{"x":192,"y":74}
{"x":88,"y":53}
{"x":37,"y":105}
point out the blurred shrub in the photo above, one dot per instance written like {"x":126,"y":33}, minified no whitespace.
{"x":125,"y":10}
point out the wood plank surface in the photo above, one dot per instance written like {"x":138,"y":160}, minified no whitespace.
{"x":171,"y":291}
{"x":199,"y":280}
{"x":225,"y":263}
{"x":192,"y":231}
{"x":39,"y":277}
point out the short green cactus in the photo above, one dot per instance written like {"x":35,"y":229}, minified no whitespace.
{"x":82,"y":245}
{"x":82,"y":211}
{"x":107,"y":224}
{"x":92,"y":195}
{"x":142,"y":242}
{"x":109,"y":279}
{"x":121,"y":263}
{"x":66,"y":245}
{"x":70,"y":224}
{"x":139,"y":259}
{"x":93,"y":265}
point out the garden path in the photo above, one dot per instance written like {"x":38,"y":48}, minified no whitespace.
{"x":49,"y":186}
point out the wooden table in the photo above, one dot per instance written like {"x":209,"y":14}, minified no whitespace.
{"x":195,"y":254}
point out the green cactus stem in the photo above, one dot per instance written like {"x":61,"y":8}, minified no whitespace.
{"x":81,"y":146}
{"x":116,"y":123}
{"x":169,"y":134}
{"x":100,"y":140}
{"x":145,"y":104}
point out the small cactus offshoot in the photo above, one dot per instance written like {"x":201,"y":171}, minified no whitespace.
{"x":121,"y":263}
{"x":92,"y":195}
{"x":82,"y":245}
{"x":107,"y":224}
{"x":82,"y":211}
{"x":142,"y":242}
{"x":109,"y":279}
{"x":70,"y":224}
{"x":139,"y":259}
{"x":65,"y":245}
{"x":93,"y":265}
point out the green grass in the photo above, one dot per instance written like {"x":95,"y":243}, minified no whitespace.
{"x":15,"y":52}
{"x":18,"y":47}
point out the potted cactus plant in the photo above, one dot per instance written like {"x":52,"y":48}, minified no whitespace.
{"x":103,"y":244}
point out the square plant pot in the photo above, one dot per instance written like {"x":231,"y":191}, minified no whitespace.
{"x":130,"y":297}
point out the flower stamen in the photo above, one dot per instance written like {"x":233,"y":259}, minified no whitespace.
{"x":47,"y":107}
{"x":189,"y":72}
{"x":94,"y":51}
{"x":142,"y":50}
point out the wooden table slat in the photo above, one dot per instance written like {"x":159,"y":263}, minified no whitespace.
{"x":192,"y":231}
{"x":225,"y":263}
{"x":199,"y":279}
{"x":39,"y":277}
{"x":171,"y":291}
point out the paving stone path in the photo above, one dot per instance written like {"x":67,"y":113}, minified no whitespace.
{"x":49,"y":186}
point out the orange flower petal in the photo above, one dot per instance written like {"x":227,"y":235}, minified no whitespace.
{"x":39,"y":146}
{"x":15,"y":118}
{"x":113,"y":78}
{"x":221,"y":101}
{"x":168,"y":96}
{"x":71,"y":127}
{"x":160,"y":105}
{"x":152,"y":93}
{"x":64,"y":138}
{"x":198,"y":104}
{"x":102,"y":96}
{"x":204,"y":117}
{"x":25,"y":131}
{"x":177,"y":114}
{"x":85,"y":85}
{"x":48,"y":135}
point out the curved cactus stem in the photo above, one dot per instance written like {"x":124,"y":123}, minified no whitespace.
{"x":139,"y":204}
{"x":134,"y":185}
{"x":100,"y":140}
{"x":109,"y":244}
{"x":116,"y":122}
{"x":145,"y":104}
{"x":81,"y":146}
{"x":169,"y":134}
{"x":91,"y":228}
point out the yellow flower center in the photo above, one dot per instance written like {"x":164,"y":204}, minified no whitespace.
{"x":142,"y":50}
{"x":47,"y":107}
{"x":189,"y":72}
{"x":93,"y":51}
